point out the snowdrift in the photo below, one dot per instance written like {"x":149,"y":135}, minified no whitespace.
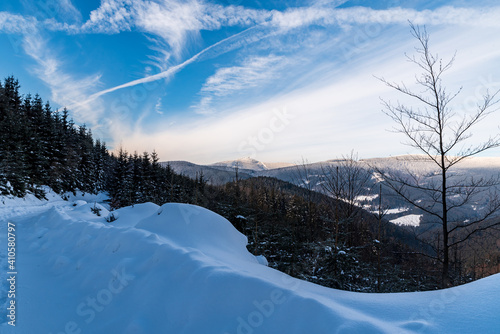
{"x":180,"y":268}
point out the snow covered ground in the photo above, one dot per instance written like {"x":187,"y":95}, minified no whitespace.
{"x":408,"y":220}
{"x":182,"y":269}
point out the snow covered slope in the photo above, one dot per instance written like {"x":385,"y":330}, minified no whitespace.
{"x":180,"y":268}
{"x":251,"y":164}
{"x":216,"y":175}
{"x":243,"y":163}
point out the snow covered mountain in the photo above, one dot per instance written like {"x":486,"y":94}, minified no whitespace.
{"x":225,"y":171}
{"x":399,"y":212}
{"x":216,"y":175}
{"x":477,"y":166}
{"x":251,"y":164}
{"x":180,"y":268}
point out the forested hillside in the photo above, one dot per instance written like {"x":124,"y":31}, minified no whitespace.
{"x":301,"y":232}
{"x":41,"y":146}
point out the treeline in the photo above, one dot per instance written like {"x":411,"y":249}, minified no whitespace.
{"x":39,"y":146}
{"x":43,"y":147}
{"x":303,"y":233}
{"x":136,"y":178}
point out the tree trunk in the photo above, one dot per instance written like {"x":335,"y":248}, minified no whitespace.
{"x":445,"y":280}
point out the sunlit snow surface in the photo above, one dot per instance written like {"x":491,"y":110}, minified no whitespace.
{"x":182,"y":269}
{"x":409,"y":220}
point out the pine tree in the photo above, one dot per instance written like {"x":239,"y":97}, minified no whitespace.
{"x":71,"y":158}
{"x":148,"y":186}
{"x":86,"y":168}
{"x":121,"y":181}
{"x":137,"y":181}
{"x":13,"y":160}
{"x":100,"y":161}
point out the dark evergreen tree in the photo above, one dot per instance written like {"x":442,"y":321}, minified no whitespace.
{"x":137,"y":181}
{"x":13,"y":159}
{"x":147,"y":179}
{"x":101,"y":161}
{"x":85,"y":170}
{"x":120,"y":186}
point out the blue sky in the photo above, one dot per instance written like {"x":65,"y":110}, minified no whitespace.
{"x":207,"y":81}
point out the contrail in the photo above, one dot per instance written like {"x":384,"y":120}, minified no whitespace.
{"x":162,"y":75}
{"x":173,"y":70}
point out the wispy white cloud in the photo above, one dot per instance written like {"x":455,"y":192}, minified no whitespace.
{"x":68,"y":10}
{"x":254,"y":71}
{"x":158,"y":107}
{"x":174,"y":26}
{"x":173,"y":21}
{"x":326,"y":16}
{"x":160,"y":58}
{"x":16,"y":24}
{"x":219,"y":15}
{"x":61,"y":10}
{"x":341,"y":114}
{"x":65,"y":89}
{"x":165,"y":75}
{"x":113,"y":16}
{"x":250,"y":73}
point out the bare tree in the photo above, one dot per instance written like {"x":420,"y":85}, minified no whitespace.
{"x":345,"y":181}
{"x":379,"y":213}
{"x":441,"y":135}
{"x":303,"y":176}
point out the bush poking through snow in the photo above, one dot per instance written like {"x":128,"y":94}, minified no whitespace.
{"x":112,"y":217}
{"x":96,"y":210}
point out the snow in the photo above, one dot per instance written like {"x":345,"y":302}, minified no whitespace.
{"x":366,"y":198}
{"x":82,"y":196}
{"x":180,"y":268}
{"x":394,"y":211}
{"x":409,"y":220}
{"x":198,"y":230}
{"x":243,"y":163}
{"x":131,"y":215}
{"x":262,"y":260}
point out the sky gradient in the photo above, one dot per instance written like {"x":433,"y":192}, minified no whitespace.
{"x":207,"y":81}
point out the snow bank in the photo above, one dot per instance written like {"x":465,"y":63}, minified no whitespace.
{"x":131,"y":215}
{"x":99,"y":198}
{"x":183,"y":269}
{"x":409,"y":220}
{"x":195,"y":228}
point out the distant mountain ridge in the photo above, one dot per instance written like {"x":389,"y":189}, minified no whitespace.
{"x":225,"y":171}
{"x":251,"y":164}
{"x":222,"y":172}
